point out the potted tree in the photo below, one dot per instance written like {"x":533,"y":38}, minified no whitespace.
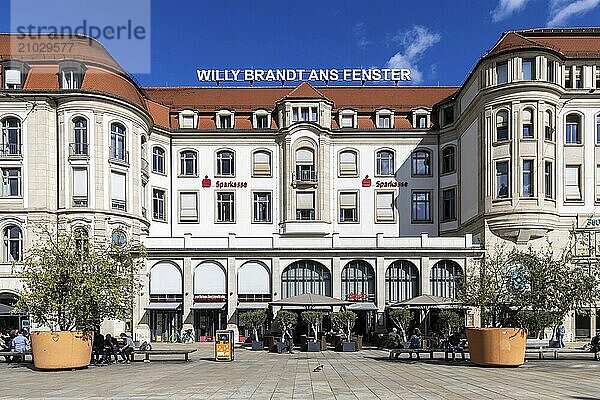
{"x":70,"y":287}
{"x":283,"y":319}
{"x":519,"y":289}
{"x":450,"y":322}
{"x":345,"y":320}
{"x":255,"y":320}
{"x":314,"y":320}
{"x":401,"y":317}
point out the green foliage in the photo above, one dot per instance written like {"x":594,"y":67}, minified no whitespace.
{"x":450,"y":322}
{"x":285,"y":317}
{"x":314,"y":319}
{"x":254,"y":319}
{"x":401,"y":317}
{"x":68,"y":288}
{"x":345,"y":320}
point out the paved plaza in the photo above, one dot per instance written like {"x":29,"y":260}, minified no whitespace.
{"x":261,"y":375}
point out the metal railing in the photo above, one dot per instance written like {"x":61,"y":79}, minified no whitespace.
{"x":79,"y":149}
{"x":10,"y":149}
{"x":118,"y":154}
{"x":80,"y":201}
{"x":119,"y":205}
{"x":305,"y":176}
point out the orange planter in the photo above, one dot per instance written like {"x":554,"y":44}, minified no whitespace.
{"x":61,"y":350}
{"x":497,"y":347}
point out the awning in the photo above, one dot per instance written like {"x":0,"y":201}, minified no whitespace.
{"x":427,"y":301}
{"x":163,"y":306}
{"x":362,"y":306}
{"x":6,"y":309}
{"x":212,"y":305}
{"x":310,"y":300}
{"x":253,"y":306}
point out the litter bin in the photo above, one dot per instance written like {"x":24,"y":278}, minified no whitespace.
{"x":224,"y":345}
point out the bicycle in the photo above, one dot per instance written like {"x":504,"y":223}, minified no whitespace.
{"x":183,"y":337}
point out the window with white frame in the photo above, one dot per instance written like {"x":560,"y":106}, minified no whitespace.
{"x":305,"y":206}
{"x":225,"y":119}
{"x":158,"y":160}
{"x":502,"y":72}
{"x":347,"y":119}
{"x":187,"y":121}
{"x":502,"y":182}
{"x":11,"y":137}
{"x":449,"y":205}
{"x":598,"y":129}
{"x":578,"y":78}
{"x":548,"y":125}
{"x":384,"y":119}
{"x":421,"y":206}
{"x":305,"y":165}
{"x":597,"y":77}
{"x":304,"y":114}
{"x":13,"y":244}
{"x":80,"y":136}
{"x":573,"y":129}
{"x":225,"y":207}
{"x":80,"y":187}
{"x":568,"y":80}
{"x":573,"y":182}
{"x":70,"y":78}
{"x":261,"y":163}
{"x":158,"y":205}
{"x":502,"y":125}
{"x":384,"y":206}
{"x":550,"y":70}
{"x":188,"y":206}
{"x":13,"y":78}
{"x":448,"y":159}
{"x":11,"y":182}
{"x":385,"y":163}
{"x":117,"y":185}
{"x":528,"y":68}
{"x":528,"y":130}
{"x":528,"y":178}
{"x":348,"y":163}
{"x":225,"y":163}
{"x":597,"y":182}
{"x":348,"y":207}
{"x":548,"y":180}
{"x":117,"y":142}
{"x":262,"y":207}
{"x":421,"y":121}
{"x":189,"y":163}
{"x":262,"y":119}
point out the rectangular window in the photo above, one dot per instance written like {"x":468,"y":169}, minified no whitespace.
{"x":384,"y":203}
{"x":598,"y":182}
{"x":578,"y":78}
{"x":261,"y":163}
{"x":597,"y":76}
{"x":188,"y":207}
{"x":573,"y":182}
{"x":80,"y":187}
{"x":502,"y":187}
{"x":262,"y":207}
{"x":547,"y":126}
{"x":348,"y":207}
{"x":11,"y":182}
{"x":550,"y":70}
{"x":313,"y":114}
{"x":347,"y":121}
{"x":305,"y":205}
{"x":502,"y":72}
{"x":225,"y":207}
{"x":421,"y":121}
{"x":572,"y":132}
{"x":568,"y":81}
{"x":448,"y":115}
{"x":384,"y":121}
{"x":598,"y":129}
{"x":527,"y":124}
{"x":187,"y":121}
{"x":70,"y":79}
{"x":449,"y":205}
{"x":528,"y":69}
{"x":158,"y":204}
{"x":528,"y":178}
{"x":421,"y":206}
{"x":225,"y":122}
{"x":117,"y":182}
{"x":12,"y":79}
{"x":548,"y":180}
{"x":295,"y":114}
{"x":262,"y":121}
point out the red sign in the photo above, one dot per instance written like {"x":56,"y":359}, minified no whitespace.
{"x":206,"y":182}
{"x":366,"y":182}
{"x":208,"y":299}
{"x":357,"y":296}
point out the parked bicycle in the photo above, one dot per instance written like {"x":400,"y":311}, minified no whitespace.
{"x":182,"y":337}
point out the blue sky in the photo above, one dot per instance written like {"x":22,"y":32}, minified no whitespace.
{"x":439,"y":40}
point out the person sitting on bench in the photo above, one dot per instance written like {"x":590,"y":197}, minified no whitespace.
{"x":20,"y":344}
{"x":416,"y":342}
{"x":595,"y":343}
{"x":454,"y":344}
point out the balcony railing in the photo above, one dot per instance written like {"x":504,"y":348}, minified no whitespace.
{"x":80,"y":201}
{"x":305,"y":215}
{"x":119,"y":205}
{"x":145,"y":168}
{"x":305,"y":176}
{"x":79,"y":149}
{"x":10,"y":150}
{"x":119,"y":155}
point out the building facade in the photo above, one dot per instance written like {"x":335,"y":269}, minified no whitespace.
{"x":245,"y":195}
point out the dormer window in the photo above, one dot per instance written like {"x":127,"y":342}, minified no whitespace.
{"x":448,"y":116}
{"x":347,"y":119}
{"x":188,"y":119}
{"x":13,"y":75}
{"x":385,"y":119}
{"x":420,"y":119}
{"x":224,"y":119}
{"x":262,"y":119}
{"x":304,"y":114}
{"x":70,"y":79}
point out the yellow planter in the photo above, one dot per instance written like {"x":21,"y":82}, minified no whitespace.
{"x":497,"y":347}
{"x":61,"y":350}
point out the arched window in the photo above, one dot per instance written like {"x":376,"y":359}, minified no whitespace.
{"x":385,"y":163}
{"x":305,"y":276}
{"x":189,"y":163}
{"x":548,"y":125}
{"x":80,"y":137}
{"x":421,"y":162}
{"x":445,"y":278}
{"x":528,"y":130}
{"x":358,"y":281}
{"x":13,"y":243}
{"x":254,"y":282}
{"x":81,"y":241}
{"x":166,"y":281}
{"x":210,"y":279}
{"x":348,"y":163}
{"x":11,"y":137}
{"x":261,"y":163}
{"x":401,"y":281}
{"x":502,"y":125}
{"x":448,"y":159}
{"x":305,"y":165}
{"x":117,"y":142}
{"x":119,"y":238}
{"x":158,"y":160}
{"x":225,"y":163}
{"x":573,"y":129}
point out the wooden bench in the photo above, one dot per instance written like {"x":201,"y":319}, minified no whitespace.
{"x":22,"y":355}
{"x":395,"y":353}
{"x":148,"y":353}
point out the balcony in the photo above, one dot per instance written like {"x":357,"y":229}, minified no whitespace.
{"x":79,"y":150}
{"x":80,"y":201}
{"x":119,"y":155}
{"x":304,"y":177}
{"x":118,"y":205}
{"x":145,"y":168}
{"x":10,"y":150}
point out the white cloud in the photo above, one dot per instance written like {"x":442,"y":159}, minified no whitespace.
{"x":359,"y":34}
{"x":562,"y":10}
{"x":506,"y":8}
{"x":413,"y":44}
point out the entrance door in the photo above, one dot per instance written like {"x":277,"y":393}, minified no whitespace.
{"x":164,"y":325}
{"x":582,"y":324}
{"x":207,"y":322}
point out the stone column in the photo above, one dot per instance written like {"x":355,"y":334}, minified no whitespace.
{"x":380,"y":285}
{"x":425,"y":271}
{"x":188,"y":294}
{"x":231,"y":290}
{"x":336,"y":278}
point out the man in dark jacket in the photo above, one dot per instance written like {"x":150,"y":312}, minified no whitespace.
{"x":288,"y":338}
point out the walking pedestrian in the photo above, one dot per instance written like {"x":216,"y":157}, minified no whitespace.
{"x":560,"y":334}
